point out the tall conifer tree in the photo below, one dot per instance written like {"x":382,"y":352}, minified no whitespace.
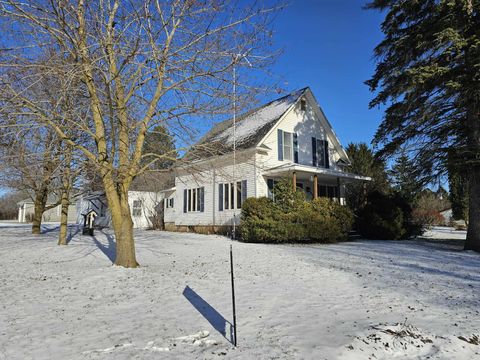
{"x":404,"y":179}
{"x":428,"y":75}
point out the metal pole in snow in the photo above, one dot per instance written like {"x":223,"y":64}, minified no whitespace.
{"x":233,"y":299}
{"x":234,"y":139}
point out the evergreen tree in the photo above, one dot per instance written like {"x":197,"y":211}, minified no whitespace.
{"x":428,"y":75}
{"x":458,"y":194}
{"x":363,"y":162}
{"x":404,"y":179}
{"x":159,"y":149}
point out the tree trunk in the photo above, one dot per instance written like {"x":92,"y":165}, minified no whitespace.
{"x":39,"y":209}
{"x":62,"y":237}
{"x":122,"y":224}
{"x":473,"y":232}
{"x":473,"y":142}
{"x":66,"y":187}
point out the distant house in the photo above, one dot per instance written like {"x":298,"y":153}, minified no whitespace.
{"x":447,"y":215}
{"x":26,"y":209}
{"x":145,"y":207}
{"x":145,"y":200}
{"x":286,"y":138}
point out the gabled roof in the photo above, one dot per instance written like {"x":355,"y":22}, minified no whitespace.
{"x":250,"y":129}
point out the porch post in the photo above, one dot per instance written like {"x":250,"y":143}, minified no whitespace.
{"x":338,"y":189}
{"x":315,"y":186}
{"x":294,"y":181}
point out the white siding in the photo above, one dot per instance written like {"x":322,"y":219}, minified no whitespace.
{"x":26,"y":211}
{"x":170,"y":214}
{"x":306,"y":125}
{"x":150,"y":203}
{"x":210,"y":176}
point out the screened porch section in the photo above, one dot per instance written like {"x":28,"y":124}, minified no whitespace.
{"x":315,"y":182}
{"x":328,"y":189}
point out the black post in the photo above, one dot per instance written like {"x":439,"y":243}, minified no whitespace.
{"x":233,"y":299}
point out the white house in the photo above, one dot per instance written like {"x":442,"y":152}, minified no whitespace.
{"x":288,"y":137}
{"x":145,"y":207}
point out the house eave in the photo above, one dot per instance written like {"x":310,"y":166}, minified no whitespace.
{"x":213,"y":159}
{"x":290,"y":168}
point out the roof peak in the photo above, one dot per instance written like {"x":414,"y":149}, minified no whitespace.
{"x":250,"y":128}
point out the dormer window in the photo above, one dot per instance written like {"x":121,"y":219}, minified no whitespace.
{"x":303,"y":104}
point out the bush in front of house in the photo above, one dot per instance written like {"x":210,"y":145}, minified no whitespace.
{"x":388,"y":217}
{"x":264,"y":221}
{"x":293,"y":219}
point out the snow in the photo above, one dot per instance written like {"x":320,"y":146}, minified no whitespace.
{"x":252,"y":123}
{"x":412,"y":299}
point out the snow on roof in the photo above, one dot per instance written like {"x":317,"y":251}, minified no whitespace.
{"x":249,"y":124}
{"x":250,"y":128}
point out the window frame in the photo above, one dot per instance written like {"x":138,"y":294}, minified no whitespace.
{"x":232,"y":195}
{"x":169,"y":203}
{"x":287,"y":148}
{"x":194,"y":201}
{"x":239,"y":194}
{"x":137,"y":207}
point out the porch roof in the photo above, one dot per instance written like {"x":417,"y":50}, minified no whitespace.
{"x":311,"y":170}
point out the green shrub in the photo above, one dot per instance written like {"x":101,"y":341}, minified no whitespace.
{"x":287,"y":199}
{"x":294,"y":220}
{"x":388,"y":217}
{"x":261,"y":208}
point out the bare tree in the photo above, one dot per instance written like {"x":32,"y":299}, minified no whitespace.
{"x":33,"y":152}
{"x":66,"y":187}
{"x":142,"y":63}
{"x":30,"y":164}
{"x":8,"y":204}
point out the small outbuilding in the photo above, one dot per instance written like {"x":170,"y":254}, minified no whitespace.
{"x":26,"y":209}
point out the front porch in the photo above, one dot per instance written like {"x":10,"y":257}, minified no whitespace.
{"x":315,"y":182}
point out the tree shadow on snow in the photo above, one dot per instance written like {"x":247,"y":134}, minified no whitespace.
{"x":45,"y":229}
{"x":71,"y":234}
{"x":209,"y":313}
{"x":110,"y":249}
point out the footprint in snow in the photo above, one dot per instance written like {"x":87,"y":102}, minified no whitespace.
{"x":198,"y":339}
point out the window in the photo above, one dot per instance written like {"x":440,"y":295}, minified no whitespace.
{"x":239,"y":194}
{"x":189,"y":200}
{"x":303,"y":105}
{"x":231,"y":196}
{"x":169,"y":203}
{"x":227,"y":198}
{"x":320,"y":157}
{"x":328,"y":191}
{"x":287,"y":146}
{"x":137,"y":208}
{"x":193,"y":200}
{"x":271,"y":185}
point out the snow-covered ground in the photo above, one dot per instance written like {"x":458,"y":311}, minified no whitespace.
{"x":357,"y":300}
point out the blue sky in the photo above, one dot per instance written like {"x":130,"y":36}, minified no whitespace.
{"x":328,"y":45}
